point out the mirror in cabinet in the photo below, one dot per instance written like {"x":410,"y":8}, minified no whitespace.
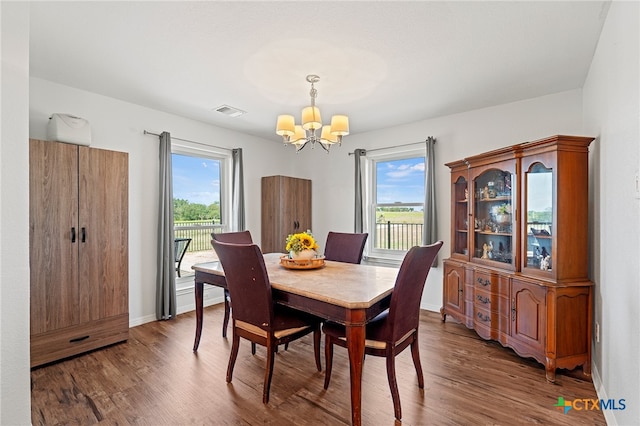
{"x":460,"y":216}
{"x":493,"y":216}
{"x":539,"y":217}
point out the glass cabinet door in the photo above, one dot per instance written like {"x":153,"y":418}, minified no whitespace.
{"x":493,"y":216}
{"x":539,"y":217}
{"x":460,"y":216}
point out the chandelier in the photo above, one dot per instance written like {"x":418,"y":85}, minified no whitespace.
{"x":301,"y":135}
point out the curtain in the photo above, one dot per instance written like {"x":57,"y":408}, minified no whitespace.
{"x":166,"y":273}
{"x":430,"y":228}
{"x":237,"y":192}
{"x":359,"y":207}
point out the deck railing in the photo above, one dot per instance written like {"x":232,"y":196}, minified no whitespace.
{"x":199,"y":231}
{"x":393,"y":236}
{"x":397,"y":236}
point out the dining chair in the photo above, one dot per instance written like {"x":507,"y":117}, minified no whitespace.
{"x":396,"y":328}
{"x":345,"y":247}
{"x":255,"y":316}
{"x":239,"y":237}
{"x":180,"y":246}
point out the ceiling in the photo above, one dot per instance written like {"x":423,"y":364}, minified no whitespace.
{"x":382,"y":63}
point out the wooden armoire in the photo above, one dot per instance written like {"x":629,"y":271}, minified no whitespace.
{"x":78,"y":239}
{"x":286,"y":209}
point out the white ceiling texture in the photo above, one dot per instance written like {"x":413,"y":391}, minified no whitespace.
{"x":381,"y":63}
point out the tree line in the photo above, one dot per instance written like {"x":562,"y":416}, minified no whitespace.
{"x":185,"y":210}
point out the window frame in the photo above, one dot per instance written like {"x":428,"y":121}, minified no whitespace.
{"x":226,"y":166}
{"x":372,"y":254}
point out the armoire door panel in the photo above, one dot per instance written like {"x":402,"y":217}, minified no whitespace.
{"x":104,"y":233}
{"x":53,"y":231}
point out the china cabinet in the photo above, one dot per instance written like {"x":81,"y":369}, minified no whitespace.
{"x":78,"y":244}
{"x":518,"y":270}
{"x":286,"y":209}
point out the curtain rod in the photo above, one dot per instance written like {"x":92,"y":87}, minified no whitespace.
{"x":388,"y":147}
{"x":146,"y":132}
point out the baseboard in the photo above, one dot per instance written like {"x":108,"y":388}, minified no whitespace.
{"x":185,"y":301}
{"x":609,"y":415}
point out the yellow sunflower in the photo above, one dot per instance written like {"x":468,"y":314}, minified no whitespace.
{"x":301,"y":241}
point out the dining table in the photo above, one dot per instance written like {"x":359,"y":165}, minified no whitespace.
{"x":346,"y":293}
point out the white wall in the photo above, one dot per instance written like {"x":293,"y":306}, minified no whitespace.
{"x":14,"y":216}
{"x":457,"y":136}
{"x":612,"y":113}
{"x":119,"y":126}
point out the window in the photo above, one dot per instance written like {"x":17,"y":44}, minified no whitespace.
{"x":394,"y":200}
{"x":200,"y":203}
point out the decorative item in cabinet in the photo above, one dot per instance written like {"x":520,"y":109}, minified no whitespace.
{"x":493,"y":215}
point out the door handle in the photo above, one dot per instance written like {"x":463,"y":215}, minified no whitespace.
{"x":73,"y":234}
{"x":83,"y":232}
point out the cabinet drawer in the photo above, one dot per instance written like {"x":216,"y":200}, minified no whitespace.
{"x":69,"y":341}
{"x":491,"y":301}
{"x":491,"y":282}
{"x":482,"y":316}
{"x":491,"y":320}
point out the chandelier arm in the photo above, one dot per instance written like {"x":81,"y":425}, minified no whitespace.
{"x":325,"y":146}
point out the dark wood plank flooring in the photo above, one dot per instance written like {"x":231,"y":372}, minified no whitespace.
{"x":156,"y":379}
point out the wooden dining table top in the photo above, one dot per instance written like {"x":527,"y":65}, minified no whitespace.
{"x":342,"y":284}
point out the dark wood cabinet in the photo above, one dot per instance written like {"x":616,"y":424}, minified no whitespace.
{"x":519,"y":243}
{"x":286,"y":209}
{"x":78,"y":238}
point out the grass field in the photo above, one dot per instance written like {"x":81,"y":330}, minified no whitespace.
{"x":399,"y":217}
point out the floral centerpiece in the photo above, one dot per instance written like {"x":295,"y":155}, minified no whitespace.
{"x":301,"y":245}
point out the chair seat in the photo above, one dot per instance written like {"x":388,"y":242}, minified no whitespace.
{"x":285,"y":323}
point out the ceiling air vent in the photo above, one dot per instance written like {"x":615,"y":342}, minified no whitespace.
{"x":229,"y":110}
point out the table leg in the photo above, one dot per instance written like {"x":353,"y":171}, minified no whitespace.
{"x":355,"y":334}
{"x":199,"y":292}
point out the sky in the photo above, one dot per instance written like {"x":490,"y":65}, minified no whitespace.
{"x":196,"y":180}
{"x":400,"y":181}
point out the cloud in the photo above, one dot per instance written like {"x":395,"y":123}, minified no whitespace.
{"x":405,"y":170}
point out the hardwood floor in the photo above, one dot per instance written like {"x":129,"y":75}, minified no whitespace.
{"x":156,"y":379}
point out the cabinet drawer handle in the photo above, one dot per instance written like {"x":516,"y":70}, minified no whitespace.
{"x":483,"y":300}
{"x":513,"y":310}
{"x":483,"y":318}
{"x":78,"y":339}
{"x":484,"y":282}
